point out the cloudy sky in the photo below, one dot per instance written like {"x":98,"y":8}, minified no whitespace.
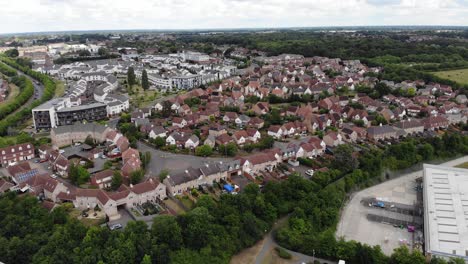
{"x":58,"y":15}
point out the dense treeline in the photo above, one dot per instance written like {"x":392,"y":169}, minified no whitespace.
{"x":7,"y":70}
{"x":13,"y":120}
{"x":394,"y":52}
{"x":45,"y":80}
{"x":26,"y":91}
{"x":338,"y":46}
{"x":215,"y":230}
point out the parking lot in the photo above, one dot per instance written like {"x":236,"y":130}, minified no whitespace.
{"x":356,"y":225}
{"x":375,"y":226}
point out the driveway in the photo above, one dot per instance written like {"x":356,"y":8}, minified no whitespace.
{"x":123,"y":220}
{"x":175,"y":163}
{"x":301,"y":169}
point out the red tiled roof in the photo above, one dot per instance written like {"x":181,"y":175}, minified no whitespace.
{"x":146,"y":186}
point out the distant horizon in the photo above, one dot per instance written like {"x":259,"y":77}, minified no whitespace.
{"x":177,"y":30}
{"x":36,"y":16}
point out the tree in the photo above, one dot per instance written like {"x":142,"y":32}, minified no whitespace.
{"x":78,"y":174}
{"x":103,"y":52}
{"x":146,"y":260}
{"x":382,"y":89}
{"x":84,"y":53}
{"x":166,"y":109}
{"x":144,"y":80}
{"x":137,"y":176}
{"x":402,"y":255}
{"x":116,"y":180}
{"x":230,"y":149}
{"x":203,"y":151}
{"x":159,"y":142}
{"x":166,"y":230}
{"x":12,"y":53}
{"x":89,"y":140}
{"x":108,"y":164}
{"x":344,"y":159}
{"x":145,"y":159}
{"x":163,"y":175}
{"x":131,"y":78}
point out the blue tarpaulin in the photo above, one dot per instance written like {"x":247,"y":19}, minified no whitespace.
{"x":228,"y":187}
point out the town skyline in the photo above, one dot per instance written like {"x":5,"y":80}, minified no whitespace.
{"x":54,"y":15}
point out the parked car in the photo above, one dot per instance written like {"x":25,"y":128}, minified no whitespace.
{"x":115,"y":227}
{"x":310,"y":172}
{"x":53,"y":176}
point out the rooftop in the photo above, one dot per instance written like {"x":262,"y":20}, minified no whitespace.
{"x":446,"y":211}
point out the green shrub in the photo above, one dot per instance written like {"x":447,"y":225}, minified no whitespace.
{"x":282,"y":253}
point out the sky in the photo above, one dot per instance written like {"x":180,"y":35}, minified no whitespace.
{"x":63,"y":15}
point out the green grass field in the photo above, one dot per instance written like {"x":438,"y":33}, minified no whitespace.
{"x":459,"y":76}
{"x":60,"y":90}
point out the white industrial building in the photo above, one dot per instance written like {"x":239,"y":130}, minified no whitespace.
{"x":445,"y":211}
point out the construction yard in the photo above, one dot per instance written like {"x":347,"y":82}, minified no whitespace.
{"x":366,"y":220}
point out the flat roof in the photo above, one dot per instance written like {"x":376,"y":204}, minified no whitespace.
{"x":49,"y":104}
{"x":446,"y":211}
{"x":81,"y":107}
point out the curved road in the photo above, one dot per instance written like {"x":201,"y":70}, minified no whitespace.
{"x":38,"y":90}
{"x":38,"y":87}
{"x":270,"y":244}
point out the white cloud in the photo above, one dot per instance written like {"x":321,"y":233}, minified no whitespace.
{"x":53,"y":15}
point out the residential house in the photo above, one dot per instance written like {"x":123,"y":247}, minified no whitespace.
{"x":262,"y":161}
{"x":242,"y":120}
{"x":276,"y":131}
{"x":102,"y":179}
{"x":12,"y":154}
{"x":21,"y":172}
{"x":410,"y":126}
{"x":261,"y":108}
{"x":179,"y":122}
{"x":381,"y":132}
{"x":253,"y":135}
{"x":435,"y":122}
{"x":157,"y":131}
{"x":332,"y":139}
{"x":5,"y":186}
{"x":240,"y":137}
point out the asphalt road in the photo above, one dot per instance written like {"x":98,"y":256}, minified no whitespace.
{"x":270,"y":244}
{"x":38,"y":87}
{"x":175,"y":163}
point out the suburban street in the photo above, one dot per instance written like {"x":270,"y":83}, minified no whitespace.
{"x":38,"y":88}
{"x":175,"y":163}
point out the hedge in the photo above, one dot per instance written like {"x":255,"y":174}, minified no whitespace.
{"x":7,"y":70}
{"x":49,"y":91}
{"x":26,"y":91}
